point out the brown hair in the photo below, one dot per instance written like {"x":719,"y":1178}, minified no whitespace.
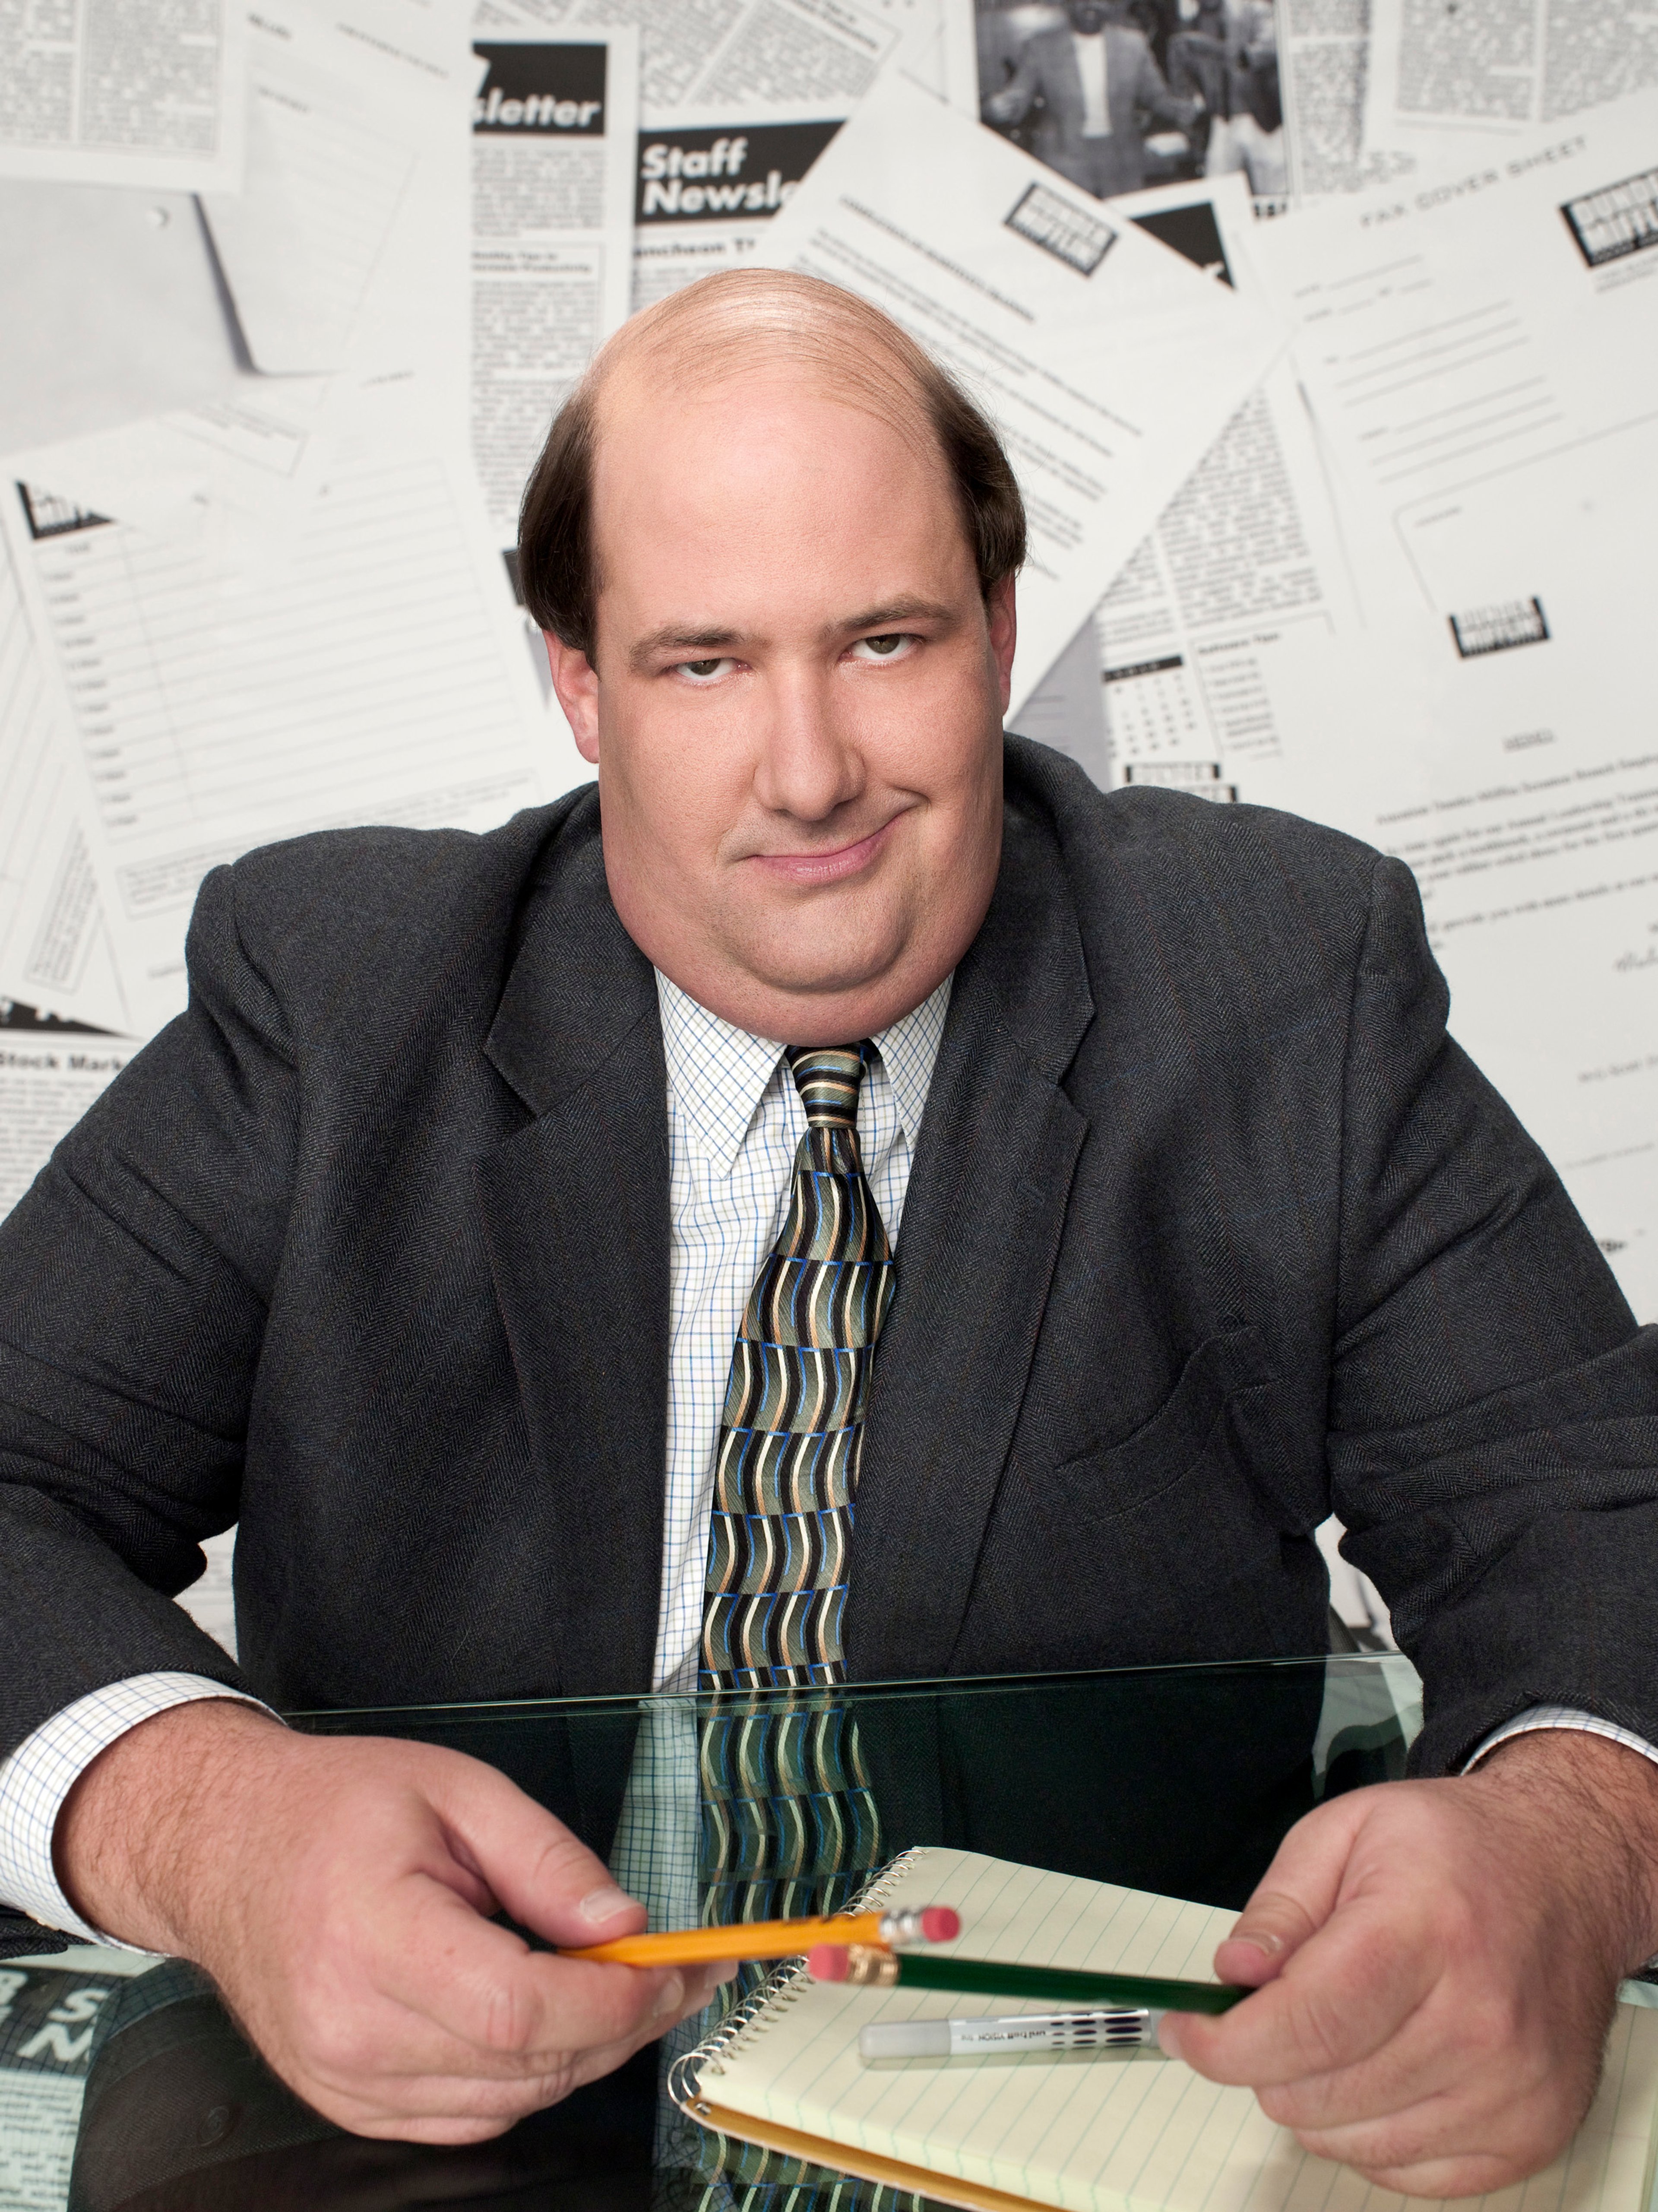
{"x":749,"y":315}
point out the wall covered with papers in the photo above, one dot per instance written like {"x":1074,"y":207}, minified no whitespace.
{"x":1318,"y":332}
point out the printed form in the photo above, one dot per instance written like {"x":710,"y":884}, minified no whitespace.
{"x":1109,"y":363}
{"x":52,"y":953}
{"x":378,"y":675}
{"x":1456,"y":338}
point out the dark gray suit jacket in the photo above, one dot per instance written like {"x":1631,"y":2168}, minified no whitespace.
{"x":1210,"y":1230}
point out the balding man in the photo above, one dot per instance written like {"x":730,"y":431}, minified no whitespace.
{"x":842,"y":1198}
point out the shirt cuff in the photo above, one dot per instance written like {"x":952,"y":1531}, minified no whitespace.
{"x":1562,"y":1716}
{"x":45,"y":1766}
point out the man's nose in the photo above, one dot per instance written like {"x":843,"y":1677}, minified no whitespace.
{"x":808,"y":764}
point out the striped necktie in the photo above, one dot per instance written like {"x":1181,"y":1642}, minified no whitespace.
{"x":789,"y":1824}
{"x":792,"y":1431}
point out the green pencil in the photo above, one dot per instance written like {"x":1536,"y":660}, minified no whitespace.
{"x":864,"y":1965}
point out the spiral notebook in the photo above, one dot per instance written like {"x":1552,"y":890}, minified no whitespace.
{"x":1126,"y":2131}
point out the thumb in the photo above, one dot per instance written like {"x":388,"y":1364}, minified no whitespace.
{"x":543,"y":1875}
{"x":1296,"y":1895}
{"x":1291,"y":1902}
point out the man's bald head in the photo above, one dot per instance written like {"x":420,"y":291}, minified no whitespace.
{"x":738,"y":322}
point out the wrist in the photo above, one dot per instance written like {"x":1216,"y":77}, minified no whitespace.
{"x":143,"y":1836}
{"x":1597,"y":1803}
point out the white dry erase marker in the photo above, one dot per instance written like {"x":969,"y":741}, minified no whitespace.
{"x":1013,"y":2032}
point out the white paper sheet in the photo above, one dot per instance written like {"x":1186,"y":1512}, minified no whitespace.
{"x":1109,"y":363}
{"x":51,"y":952}
{"x":116,"y":314}
{"x":782,"y":57}
{"x":707,"y":192}
{"x":348,"y":245}
{"x":47,"y":1081}
{"x":1456,"y":338}
{"x":1441,"y":79}
{"x":112,"y":91}
{"x":1202,"y":636}
{"x":1523,"y":790}
{"x":382,"y":676}
{"x":555,"y":127}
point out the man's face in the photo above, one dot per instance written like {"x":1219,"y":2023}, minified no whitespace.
{"x":796,"y":711}
{"x":1088,"y":17}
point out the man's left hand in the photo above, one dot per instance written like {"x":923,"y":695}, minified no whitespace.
{"x":1437,"y":1962}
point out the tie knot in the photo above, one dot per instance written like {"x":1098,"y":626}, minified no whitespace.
{"x":827,"y":1077}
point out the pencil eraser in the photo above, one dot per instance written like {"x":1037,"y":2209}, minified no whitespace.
{"x":940,"y":1922}
{"x":827,"y":1962}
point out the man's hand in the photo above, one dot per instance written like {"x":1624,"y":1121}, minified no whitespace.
{"x":337,"y":1890}
{"x":1440,"y":1962}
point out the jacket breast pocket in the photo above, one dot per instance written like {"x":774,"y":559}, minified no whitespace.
{"x":1164,"y":1545}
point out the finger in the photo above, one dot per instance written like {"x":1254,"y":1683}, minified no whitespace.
{"x":483,"y":1984}
{"x":544,"y":1876}
{"x":1347,"y":1991}
{"x":1296,"y":1895}
{"x":440,"y":2089}
{"x":1507,"y":2139}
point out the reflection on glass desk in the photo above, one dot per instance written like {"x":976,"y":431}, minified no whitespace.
{"x":1181,"y":1780}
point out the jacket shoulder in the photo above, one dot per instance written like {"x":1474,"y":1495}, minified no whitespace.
{"x":1148,"y":833}
{"x":343,"y":922}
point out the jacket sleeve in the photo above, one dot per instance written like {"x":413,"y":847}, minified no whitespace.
{"x":1010,"y":102}
{"x":1493,"y":1414}
{"x":1151,"y":92}
{"x":134,"y":1280}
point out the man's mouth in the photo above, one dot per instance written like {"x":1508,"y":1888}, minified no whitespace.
{"x":833,"y":866}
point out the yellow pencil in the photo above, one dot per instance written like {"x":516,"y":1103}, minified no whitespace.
{"x":775,"y":1939}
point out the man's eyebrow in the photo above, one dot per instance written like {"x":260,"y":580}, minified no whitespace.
{"x":898,"y":610}
{"x":671,"y":637}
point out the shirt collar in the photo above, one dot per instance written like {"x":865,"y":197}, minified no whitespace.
{"x":718,"y":1073}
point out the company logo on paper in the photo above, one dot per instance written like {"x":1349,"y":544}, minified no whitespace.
{"x":557,"y":88}
{"x":1069,"y":234}
{"x":1496,"y":628}
{"x":1618,"y":221}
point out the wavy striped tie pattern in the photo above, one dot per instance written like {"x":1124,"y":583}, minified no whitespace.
{"x":792,"y":1426}
{"x":789,"y":1823}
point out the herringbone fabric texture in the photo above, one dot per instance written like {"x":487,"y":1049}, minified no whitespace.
{"x":791,"y":1428}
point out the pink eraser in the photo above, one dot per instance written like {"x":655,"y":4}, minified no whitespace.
{"x":939,"y":1923}
{"x":827,"y":1962}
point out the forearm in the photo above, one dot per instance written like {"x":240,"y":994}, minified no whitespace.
{"x":1597,"y":1801}
{"x":133,"y":1848}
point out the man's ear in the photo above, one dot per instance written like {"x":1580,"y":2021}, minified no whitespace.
{"x":576,"y":681}
{"x":1004,"y":635}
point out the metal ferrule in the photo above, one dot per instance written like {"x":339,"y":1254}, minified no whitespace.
{"x":869,"y":1968}
{"x":903,"y":1925}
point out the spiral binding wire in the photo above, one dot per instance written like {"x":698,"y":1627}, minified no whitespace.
{"x":782,"y":1987}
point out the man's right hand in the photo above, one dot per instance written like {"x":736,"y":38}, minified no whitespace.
{"x":338,"y":1891}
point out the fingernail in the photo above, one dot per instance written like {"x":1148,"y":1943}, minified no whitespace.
{"x":670,"y":1997}
{"x":1266,"y":1943}
{"x":1168,"y":2036}
{"x":725,"y":1972}
{"x":605,"y":1903}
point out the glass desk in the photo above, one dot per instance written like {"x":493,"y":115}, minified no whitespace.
{"x":1176,"y":1779}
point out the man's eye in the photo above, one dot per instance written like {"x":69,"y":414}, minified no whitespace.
{"x":888,"y":646}
{"x":704,"y":671}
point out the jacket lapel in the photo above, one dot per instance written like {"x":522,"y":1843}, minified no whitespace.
{"x":576,"y":1217}
{"x":977,"y":1247}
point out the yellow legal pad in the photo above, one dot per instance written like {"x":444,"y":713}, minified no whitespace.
{"x":1129,"y":2131}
